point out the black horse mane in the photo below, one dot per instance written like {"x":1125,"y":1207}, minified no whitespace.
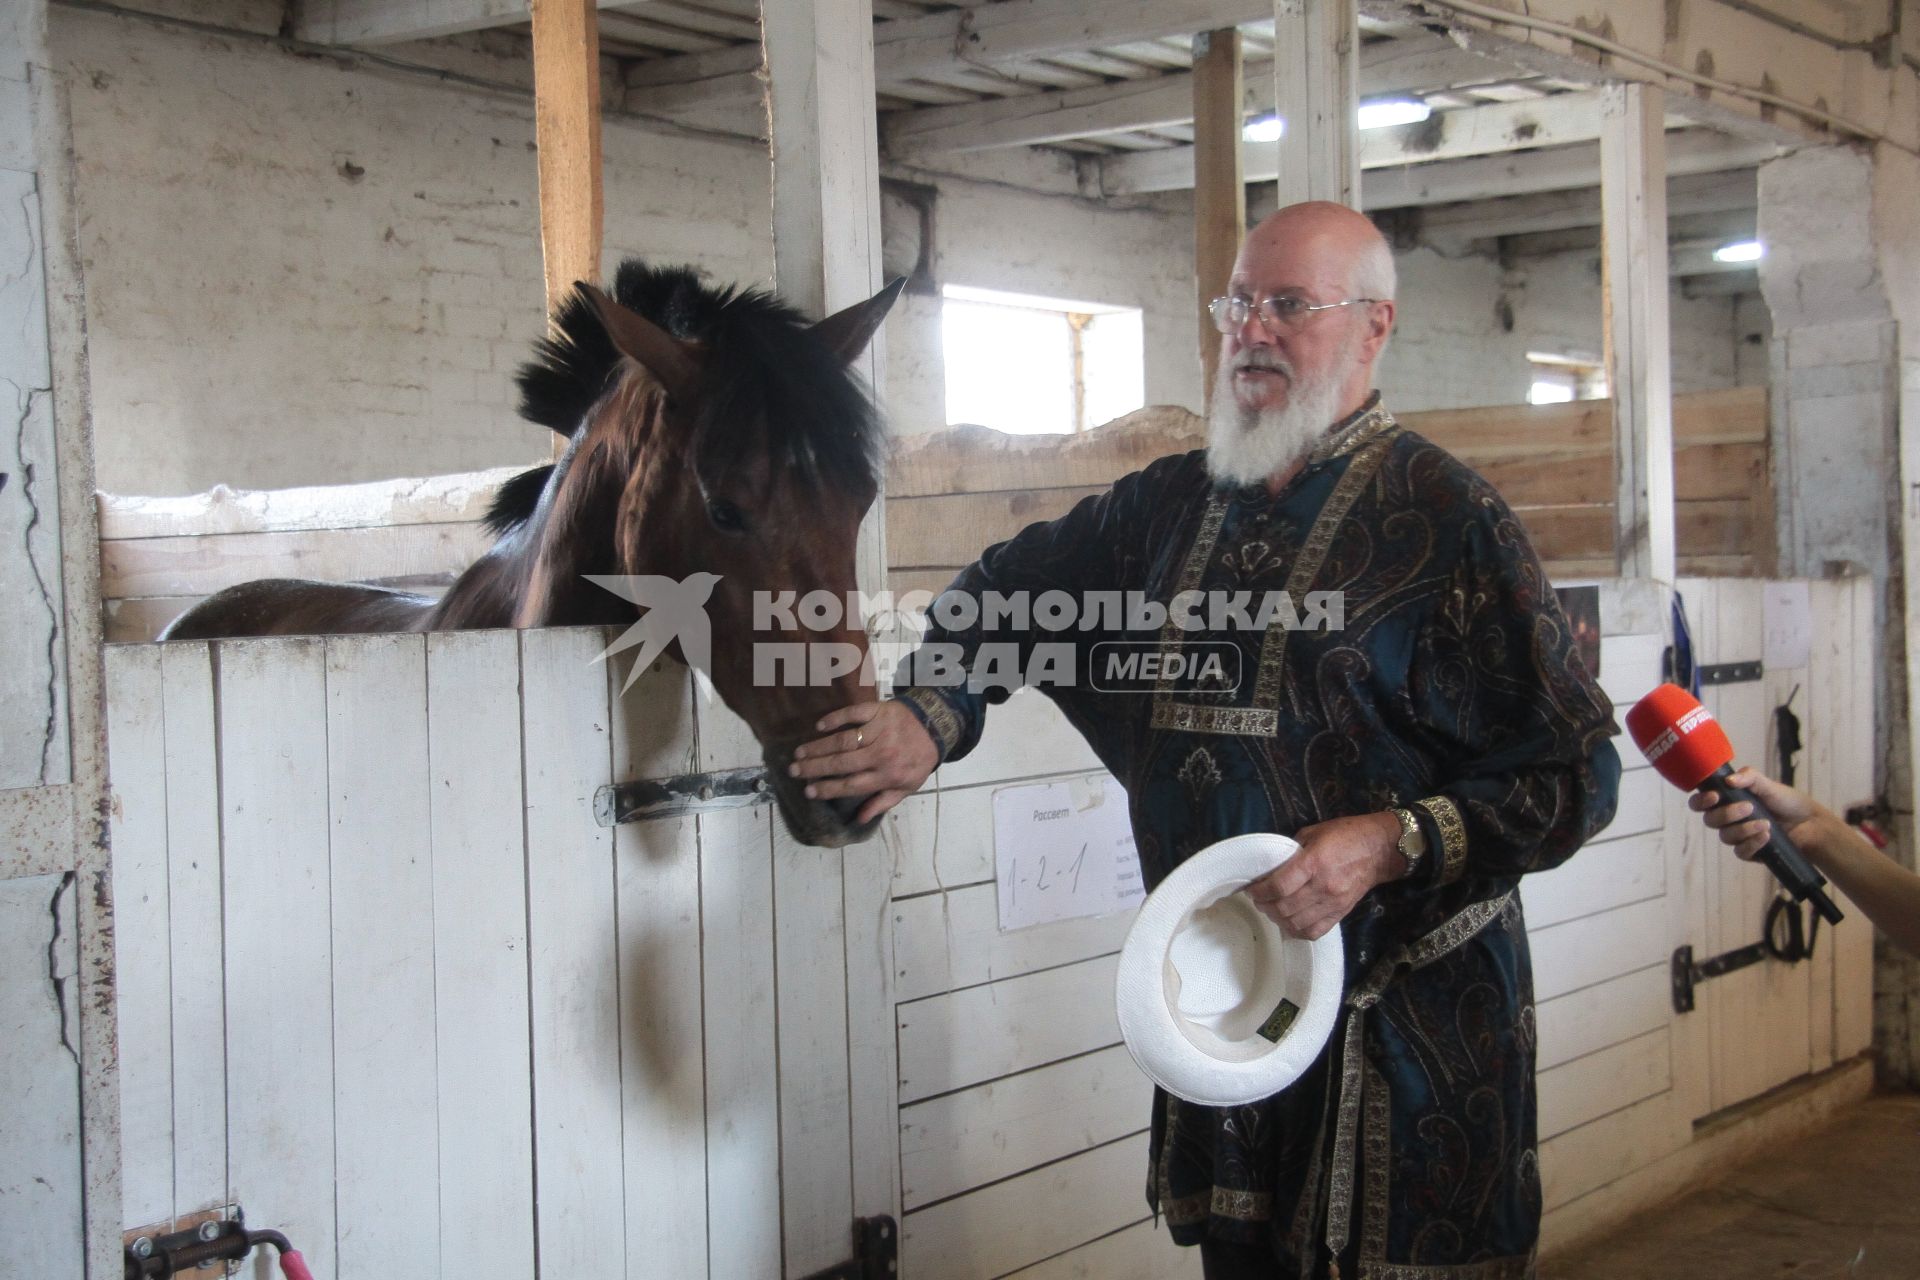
{"x":761,"y":371}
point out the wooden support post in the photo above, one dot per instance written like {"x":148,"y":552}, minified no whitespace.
{"x":826,"y":178}
{"x":566,"y":129}
{"x":1219,"y":189}
{"x":1633,"y":199}
{"x":566,"y":122}
{"x":1316,"y":77}
{"x":826,"y":253}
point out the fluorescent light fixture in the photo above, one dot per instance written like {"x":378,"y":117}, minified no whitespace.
{"x":1266,"y":128}
{"x":1739,"y":251}
{"x":1391,"y":111}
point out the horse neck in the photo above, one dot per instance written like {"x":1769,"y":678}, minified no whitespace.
{"x":607,"y":474}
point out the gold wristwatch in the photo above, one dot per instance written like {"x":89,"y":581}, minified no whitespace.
{"x":1413,"y":841}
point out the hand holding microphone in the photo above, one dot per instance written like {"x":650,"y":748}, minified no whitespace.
{"x":1688,"y":748}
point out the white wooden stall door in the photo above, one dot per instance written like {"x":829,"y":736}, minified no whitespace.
{"x":395,"y":992}
{"x":1773,"y":1022}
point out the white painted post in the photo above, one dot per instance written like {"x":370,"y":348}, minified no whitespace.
{"x":1633,"y":198}
{"x":1316,"y":77}
{"x":826,"y":251}
{"x":826,"y":179}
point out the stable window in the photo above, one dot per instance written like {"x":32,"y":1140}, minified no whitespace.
{"x":1032,"y":365}
{"x":1558,"y":379}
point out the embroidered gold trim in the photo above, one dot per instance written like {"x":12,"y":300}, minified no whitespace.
{"x":1451,"y":933}
{"x":942,"y":719}
{"x":1217,"y":1202}
{"x":1371,"y":421}
{"x":1340,"y":1177}
{"x":1373,"y":435}
{"x":1376,"y":1165}
{"x":1517,"y":1267}
{"x":1453,"y":836}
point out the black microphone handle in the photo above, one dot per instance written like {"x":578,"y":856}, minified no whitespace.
{"x":1779,"y":855}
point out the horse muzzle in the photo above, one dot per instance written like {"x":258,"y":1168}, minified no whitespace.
{"x":827,"y":824}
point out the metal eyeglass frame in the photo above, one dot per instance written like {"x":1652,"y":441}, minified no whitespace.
{"x":1223,"y":310}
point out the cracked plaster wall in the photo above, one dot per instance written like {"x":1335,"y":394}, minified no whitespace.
{"x":40,"y":1173}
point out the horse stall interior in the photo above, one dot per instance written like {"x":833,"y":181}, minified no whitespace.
{"x":376,"y":939}
{"x":392,"y":959}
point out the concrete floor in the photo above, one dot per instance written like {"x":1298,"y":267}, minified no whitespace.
{"x":1844,"y":1203}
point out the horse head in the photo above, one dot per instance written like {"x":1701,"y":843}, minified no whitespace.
{"x":722,"y":454}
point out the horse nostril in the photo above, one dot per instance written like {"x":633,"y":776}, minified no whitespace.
{"x":846,"y":808}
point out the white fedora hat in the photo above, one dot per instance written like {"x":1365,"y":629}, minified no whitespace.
{"x":1218,"y":1004}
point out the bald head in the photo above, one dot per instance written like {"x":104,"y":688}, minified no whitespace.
{"x":1338,"y":244}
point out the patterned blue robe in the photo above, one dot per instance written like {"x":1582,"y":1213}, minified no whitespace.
{"x":1409,"y":1150}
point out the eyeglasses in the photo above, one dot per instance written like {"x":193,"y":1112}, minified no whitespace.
{"x":1280,"y":313}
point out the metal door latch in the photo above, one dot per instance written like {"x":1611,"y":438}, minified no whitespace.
{"x":876,"y":1252}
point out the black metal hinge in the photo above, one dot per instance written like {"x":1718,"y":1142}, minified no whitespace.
{"x":876,"y":1252}
{"x":1686,"y":973}
{"x":1730,"y":672}
{"x":680,"y":796}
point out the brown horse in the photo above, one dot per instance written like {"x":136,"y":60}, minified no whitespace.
{"x":709,"y":432}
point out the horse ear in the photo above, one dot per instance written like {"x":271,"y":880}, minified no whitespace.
{"x":644,"y":342}
{"x":847,"y":332}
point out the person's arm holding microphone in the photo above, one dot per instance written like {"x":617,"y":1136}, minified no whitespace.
{"x":1886,"y":891}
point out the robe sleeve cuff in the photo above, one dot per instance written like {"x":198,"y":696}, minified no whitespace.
{"x":940,"y":719}
{"x":1446,"y":835}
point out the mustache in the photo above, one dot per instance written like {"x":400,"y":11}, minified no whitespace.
{"x":1262,"y":358}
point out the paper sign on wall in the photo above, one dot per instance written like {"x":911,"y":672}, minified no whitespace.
{"x":1063,"y":850}
{"x":1786,"y":620}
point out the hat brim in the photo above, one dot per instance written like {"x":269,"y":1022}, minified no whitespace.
{"x":1191,"y":1063}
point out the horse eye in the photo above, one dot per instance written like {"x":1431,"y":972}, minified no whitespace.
{"x":725,"y":516}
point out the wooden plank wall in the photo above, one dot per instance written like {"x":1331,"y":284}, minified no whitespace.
{"x":953,"y":493}
{"x":950,"y":495}
{"x":383,"y":975}
{"x":1023,"y":1121}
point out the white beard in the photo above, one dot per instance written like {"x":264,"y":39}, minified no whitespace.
{"x":1246,"y":446}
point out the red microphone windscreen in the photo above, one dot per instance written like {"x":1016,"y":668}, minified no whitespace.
{"x":1679,"y":737}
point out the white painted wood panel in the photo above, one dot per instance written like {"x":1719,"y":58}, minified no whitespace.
{"x":662,"y":1067}
{"x":979,"y":1135}
{"x":279,"y":940}
{"x":137,"y":824}
{"x":575,"y":988}
{"x":953,"y":940}
{"x":1143,"y":1251}
{"x":1026,"y":737}
{"x":816,"y":1158}
{"x":1585,"y":1158}
{"x":197,"y":951}
{"x":480,"y":973}
{"x":1602,"y":875}
{"x":951,"y":1041}
{"x":1629,"y":669}
{"x":944,"y":840}
{"x":1024,"y":1220}
{"x":743,"y":1120}
{"x":40,"y":1182}
{"x":1854,"y":780}
{"x":1823,"y":700}
{"x":1600,"y":1083}
{"x":386,"y":1076}
{"x":872,"y":1061}
{"x":1580,"y":953}
{"x":1605,"y":1014}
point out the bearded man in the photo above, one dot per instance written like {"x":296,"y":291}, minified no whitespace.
{"x":1441,"y":742}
